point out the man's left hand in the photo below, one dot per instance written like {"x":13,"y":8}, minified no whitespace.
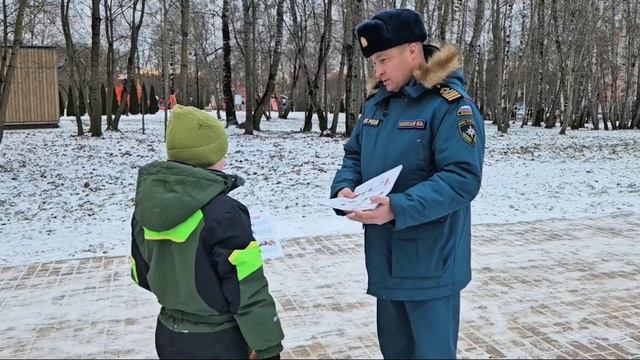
{"x":380,"y":215}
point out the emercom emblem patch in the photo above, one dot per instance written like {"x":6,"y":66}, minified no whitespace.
{"x":467,"y":130}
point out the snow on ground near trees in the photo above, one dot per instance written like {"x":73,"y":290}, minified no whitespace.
{"x":67,"y":197}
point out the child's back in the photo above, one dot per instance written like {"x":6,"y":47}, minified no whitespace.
{"x":194,"y":249}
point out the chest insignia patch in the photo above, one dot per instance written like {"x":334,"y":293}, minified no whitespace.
{"x":412,"y":124}
{"x":371,"y":122}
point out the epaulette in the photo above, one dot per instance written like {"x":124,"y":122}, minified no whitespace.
{"x":449,"y":93}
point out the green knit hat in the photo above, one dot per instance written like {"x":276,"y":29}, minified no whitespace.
{"x":195,"y":137}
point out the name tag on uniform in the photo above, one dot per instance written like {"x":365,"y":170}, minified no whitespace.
{"x":412,"y":124}
{"x":371,"y":122}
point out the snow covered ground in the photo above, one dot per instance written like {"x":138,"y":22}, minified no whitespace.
{"x":67,"y":197}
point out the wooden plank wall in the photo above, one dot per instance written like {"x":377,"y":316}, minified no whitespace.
{"x":34,"y":92}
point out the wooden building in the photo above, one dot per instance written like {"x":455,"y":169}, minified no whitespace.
{"x":33,"y":101}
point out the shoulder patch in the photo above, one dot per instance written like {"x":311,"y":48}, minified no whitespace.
{"x":467,"y":130}
{"x":449,"y":94}
{"x":464,"y":110}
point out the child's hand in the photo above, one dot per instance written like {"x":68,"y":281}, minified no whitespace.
{"x":253,"y":355}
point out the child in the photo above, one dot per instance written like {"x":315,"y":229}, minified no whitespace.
{"x":192,"y":246}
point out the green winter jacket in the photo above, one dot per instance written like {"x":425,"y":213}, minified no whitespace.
{"x":192,"y":246}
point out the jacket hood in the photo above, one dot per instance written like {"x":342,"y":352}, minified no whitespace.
{"x":168,"y":192}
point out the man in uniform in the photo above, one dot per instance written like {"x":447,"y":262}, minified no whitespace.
{"x":418,"y":239}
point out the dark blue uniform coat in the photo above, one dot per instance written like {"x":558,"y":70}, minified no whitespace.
{"x":435,"y":131}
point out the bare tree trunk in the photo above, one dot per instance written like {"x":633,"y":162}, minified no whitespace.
{"x":630,"y":59}
{"x":283,"y":111}
{"x":553,"y":108}
{"x":480,"y":83}
{"x":5,"y":38}
{"x":595,"y":120}
{"x":226,"y":56}
{"x":308,"y":116}
{"x":443,"y":19}
{"x":456,"y":22}
{"x":110,"y":63}
{"x":346,"y":33}
{"x":561,"y":54}
{"x":7,"y":71}
{"x":184,"y":51}
{"x":71,"y":59}
{"x":601,"y":74}
{"x":463,"y":5}
{"x":636,"y":116}
{"x":613,"y":68}
{"x":353,"y":79}
{"x":578,"y":24}
{"x":265,"y":99}
{"x":198,"y":101}
{"x":472,"y":51}
{"x":313,"y":83}
{"x":431,"y":15}
{"x":135,"y":31}
{"x":505,"y":102}
{"x":523,"y":77}
{"x":509,"y":77}
{"x":213,"y":69}
{"x":539,"y":107}
{"x":300,"y":43}
{"x":249,"y":11}
{"x":420,"y":6}
{"x":328,"y":28}
{"x":94,"y":85}
{"x":636,"y":112}
{"x":593,"y":87}
{"x":498,"y":57}
{"x":165,"y":67}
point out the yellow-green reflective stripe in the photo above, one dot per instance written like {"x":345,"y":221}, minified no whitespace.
{"x":179,"y":233}
{"x":246,"y":261}
{"x":134,"y":270}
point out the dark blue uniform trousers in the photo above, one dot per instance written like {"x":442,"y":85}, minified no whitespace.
{"x":426,"y":329}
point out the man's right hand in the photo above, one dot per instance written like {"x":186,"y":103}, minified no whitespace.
{"x":346,"y":193}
